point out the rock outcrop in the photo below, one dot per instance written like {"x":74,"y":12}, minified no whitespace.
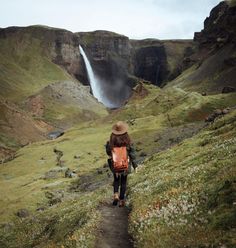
{"x":114,"y":56}
{"x":215,"y":56}
{"x":61,"y":46}
{"x":160,"y":61}
{"x":116,"y":60}
{"x":109,"y":54}
{"x":219,"y":27}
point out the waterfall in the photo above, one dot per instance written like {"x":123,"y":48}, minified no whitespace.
{"x":95,"y":83}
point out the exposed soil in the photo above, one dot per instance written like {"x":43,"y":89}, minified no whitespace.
{"x":113,"y":229}
{"x":6,"y":155}
{"x":18,"y":127}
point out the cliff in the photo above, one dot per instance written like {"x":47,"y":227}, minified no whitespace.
{"x":219,"y":27}
{"x":215,"y":57}
{"x":34,"y":61}
{"x":160,"y":61}
{"x":116,"y":56}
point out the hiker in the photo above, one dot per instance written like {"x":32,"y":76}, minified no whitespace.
{"x":121,"y":156}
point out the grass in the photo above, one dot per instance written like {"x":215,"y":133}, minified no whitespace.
{"x":25,"y":67}
{"x":69,"y":214}
{"x":185,"y":196}
{"x":69,"y":221}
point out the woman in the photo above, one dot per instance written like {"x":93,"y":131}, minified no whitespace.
{"x":122,"y":155}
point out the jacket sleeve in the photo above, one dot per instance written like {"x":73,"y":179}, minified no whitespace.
{"x":132,"y":156}
{"x":108,"y":148}
{"x":109,"y":160}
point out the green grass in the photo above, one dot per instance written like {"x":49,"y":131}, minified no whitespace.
{"x":165,"y":175}
{"x":25,"y":67}
{"x":185,"y":196}
{"x":69,"y":221}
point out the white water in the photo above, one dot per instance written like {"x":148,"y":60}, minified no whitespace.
{"x":95,"y":82}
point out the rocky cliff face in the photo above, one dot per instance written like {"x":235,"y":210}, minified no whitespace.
{"x":116,"y":57}
{"x":219,"y":27}
{"x":116,"y":60}
{"x":33,"y":60}
{"x":160,"y":61}
{"x":215,"y":57}
{"x":109,"y":54}
{"x":119,"y":61}
{"x":61,"y":46}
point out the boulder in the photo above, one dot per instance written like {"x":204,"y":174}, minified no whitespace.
{"x":23,"y":213}
{"x":218,"y":112}
{"x":100,"y":171}
{"x":230,"y":61}
{"x":52,"y":174}
{"x":225,"y":111}
{"x":228,"y":89}
{"x":70,"y":174}
{"x":143,"y":154}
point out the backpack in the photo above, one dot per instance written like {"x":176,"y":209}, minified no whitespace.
{"x":120,"y":159}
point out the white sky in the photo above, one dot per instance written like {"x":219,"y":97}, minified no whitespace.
{"x":138,"y":19}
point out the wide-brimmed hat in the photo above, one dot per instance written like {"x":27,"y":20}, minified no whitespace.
{"x":120,"y":128}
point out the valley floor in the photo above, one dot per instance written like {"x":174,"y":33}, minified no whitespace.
{"x":182,"y":196}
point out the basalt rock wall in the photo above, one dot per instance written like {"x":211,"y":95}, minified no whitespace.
{"x":215,"y":56}
{"x":115,"y":56}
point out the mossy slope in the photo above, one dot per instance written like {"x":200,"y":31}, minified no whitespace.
{"x":185,"y":196}
{"x":25,"y":66}
{"x":64,"y":211}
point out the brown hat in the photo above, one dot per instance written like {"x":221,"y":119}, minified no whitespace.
{"x":120,"y":128}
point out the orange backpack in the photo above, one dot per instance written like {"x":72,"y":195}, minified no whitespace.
{"x":120,"y":159}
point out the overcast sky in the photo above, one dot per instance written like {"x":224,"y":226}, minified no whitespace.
{"x":138,"y":19}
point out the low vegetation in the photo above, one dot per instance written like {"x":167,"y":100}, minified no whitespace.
{"x":185,"y":196}
{"x":179,"y":190}
{"x":25,"y":67}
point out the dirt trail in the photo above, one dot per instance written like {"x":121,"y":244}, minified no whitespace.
{"x":113,"y":230}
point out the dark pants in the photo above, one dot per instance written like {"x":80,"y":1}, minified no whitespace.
{"x":120,"y":180}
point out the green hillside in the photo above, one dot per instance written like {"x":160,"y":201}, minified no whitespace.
{"x":52,"y":191}
{"x":185,"y":196}
{"x":210,"y":75}
{"x":28,"y":71}
{"x":25,"y":66}
{"x":194,"y":178}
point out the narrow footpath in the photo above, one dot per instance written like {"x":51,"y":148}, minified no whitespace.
{"x":113,"y":229}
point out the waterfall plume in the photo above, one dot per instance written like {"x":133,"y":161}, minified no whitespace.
{"x":95,"y":82}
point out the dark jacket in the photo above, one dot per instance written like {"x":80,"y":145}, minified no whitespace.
{"x":131,"y":154}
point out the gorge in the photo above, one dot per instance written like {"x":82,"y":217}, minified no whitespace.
{"x":178,"y":98}
{"x":118,"y":64}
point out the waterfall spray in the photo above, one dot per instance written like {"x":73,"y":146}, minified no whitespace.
{"x":95,"y":83}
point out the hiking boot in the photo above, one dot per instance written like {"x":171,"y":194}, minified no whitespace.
{"x":122,"y":203}
{"x":116,"y":199}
